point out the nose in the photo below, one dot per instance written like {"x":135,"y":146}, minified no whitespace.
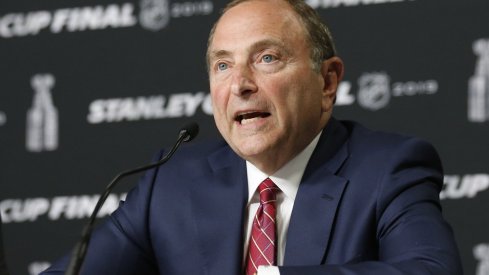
{"x":243,"y":82}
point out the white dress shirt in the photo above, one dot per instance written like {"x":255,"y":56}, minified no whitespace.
{"x":287,"y":179}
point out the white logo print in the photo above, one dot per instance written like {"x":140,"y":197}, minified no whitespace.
{"x":3,"y":118}
{"x":347,"y":3}
{"x":481,"y":253}
{"x":42,"y":117}
{"x":16,"y":210}
{"x":154,"y":14}
{"x":374,"y":91}
{"x":464,"y":186}
{"x":148,"y":107}
{"x":478,"y":109}
{"x":67,"y":19}
{"x":37,"y":267}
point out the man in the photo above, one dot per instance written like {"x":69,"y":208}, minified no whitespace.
{"x":292,"y":190}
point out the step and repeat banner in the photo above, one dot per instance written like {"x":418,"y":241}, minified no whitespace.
{"x":90,"y":88}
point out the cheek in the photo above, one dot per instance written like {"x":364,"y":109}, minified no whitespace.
{"x":219,"y":107}
{"x":219,"y":99}
{"x":303,"y":102}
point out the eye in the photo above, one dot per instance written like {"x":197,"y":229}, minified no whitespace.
{"x":268,"y":58}
{"x":222,"y":66}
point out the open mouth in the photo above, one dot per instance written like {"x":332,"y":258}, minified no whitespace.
{"x":250,"y":117}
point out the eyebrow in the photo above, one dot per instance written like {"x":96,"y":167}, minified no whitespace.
{"x":217,"y":54}
{"x":266,"y":43}
{"x":253,"y":48}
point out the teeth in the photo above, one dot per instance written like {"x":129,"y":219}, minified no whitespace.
{"x":250,"y":117}
{"x":245,"y":121}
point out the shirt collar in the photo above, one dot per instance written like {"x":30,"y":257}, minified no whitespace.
{"x":286,"y":178}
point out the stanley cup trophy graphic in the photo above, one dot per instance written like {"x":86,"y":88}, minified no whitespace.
{"x":481,"y":253}
{"x":478,"y":110}
{"x":42,"y":117}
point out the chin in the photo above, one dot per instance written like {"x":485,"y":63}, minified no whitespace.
{"x":250,"y":149}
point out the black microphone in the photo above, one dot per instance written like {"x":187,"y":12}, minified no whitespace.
{"x":187,"y":133}
{"x":190,"y":131}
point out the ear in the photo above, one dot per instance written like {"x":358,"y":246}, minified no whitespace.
{"x":332,"y":72}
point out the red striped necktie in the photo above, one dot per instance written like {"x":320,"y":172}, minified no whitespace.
{"x":262,"y":247}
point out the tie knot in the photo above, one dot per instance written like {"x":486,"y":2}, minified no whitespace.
{"x":268,"y":191}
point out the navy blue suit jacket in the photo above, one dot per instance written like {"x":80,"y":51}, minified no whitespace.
{"x":368,"y":203}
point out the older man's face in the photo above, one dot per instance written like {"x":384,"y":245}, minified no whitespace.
{"x":268,"y":101}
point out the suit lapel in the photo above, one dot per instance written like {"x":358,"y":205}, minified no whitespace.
{"x":317,"y":200}
{"x":219,"y":200}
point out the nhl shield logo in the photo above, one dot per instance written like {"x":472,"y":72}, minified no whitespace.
{"x":154,"y":15}
{"x":374,"y":91}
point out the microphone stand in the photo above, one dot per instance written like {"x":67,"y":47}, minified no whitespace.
{"x":187,"y":133}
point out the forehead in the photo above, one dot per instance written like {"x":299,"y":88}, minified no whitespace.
{"x":255,"y":20}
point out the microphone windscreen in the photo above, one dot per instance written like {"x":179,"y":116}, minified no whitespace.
{"x":190,"y":130}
